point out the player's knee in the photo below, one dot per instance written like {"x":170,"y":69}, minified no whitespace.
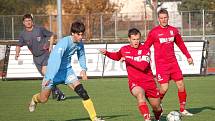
{"x":180,"y":86}
{"x":163,"y":91}
{"x":164,"y":88}
{"x":156,"y":107}
{"x":81,"y":92}
{"x":140,"y":98}
{"x":43,"y":99}
{"x":155,"y":103}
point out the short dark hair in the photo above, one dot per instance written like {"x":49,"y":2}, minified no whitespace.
{"x":77,"y":27}
{"x":163,"y":11}
{"x":27,"y":16}
{"x":133,"y":31}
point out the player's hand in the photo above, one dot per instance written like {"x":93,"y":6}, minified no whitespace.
{"x":122,"y":59}
{"x":102,"y":51}
{"x":16,"y":56}
{"x":45,"y":83}
{"x":83,"y":75}
{"x":190,"y":61}
{"x":50,"y":48}
{"x":51,"y":42}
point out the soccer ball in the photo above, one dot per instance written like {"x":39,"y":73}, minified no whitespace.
{"x":173,"y":116}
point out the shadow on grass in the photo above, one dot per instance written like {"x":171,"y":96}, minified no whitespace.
{"x":163,"y":117}
{"x":198,"y":110}
{"x":72,"y":97}
{"x":67,"y":98}
{"x":104,"y":117}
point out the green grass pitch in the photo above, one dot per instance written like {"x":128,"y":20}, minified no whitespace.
{"x":111,"y":98}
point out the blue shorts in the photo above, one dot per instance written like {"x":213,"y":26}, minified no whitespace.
{"x":66,"y":76}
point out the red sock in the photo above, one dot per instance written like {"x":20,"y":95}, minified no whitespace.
{"x":182,"y":96}
{"x":158,"y":114}
{"x":162,"y":96}
{"x":144,"y":110}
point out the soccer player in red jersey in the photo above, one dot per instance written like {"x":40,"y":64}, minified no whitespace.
{"x":163,"y":38}
{"x":140,"y":78}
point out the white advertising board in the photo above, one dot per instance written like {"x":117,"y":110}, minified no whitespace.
{"x":25,"y":68}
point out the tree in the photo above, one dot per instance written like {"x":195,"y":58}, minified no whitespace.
{"x":20,"y":7}
{"x":189,"y":5}
{"x":198,"y":5}
{"x":154,"y":5}
{"x":88,"y":11}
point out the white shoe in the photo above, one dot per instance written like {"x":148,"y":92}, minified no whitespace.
{"x":32,"y":106}
{"x":147,"y":120}
{"x":161,"y":105}
{"x":98,"y":119}
{"x":161,"y":108}
{"x":186,"y":113}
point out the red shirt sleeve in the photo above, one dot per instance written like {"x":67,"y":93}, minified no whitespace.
{"x":114,"y":55}
{"x":180,"y":43}
{"x":149,"y":41}
{"x":140,"y":65}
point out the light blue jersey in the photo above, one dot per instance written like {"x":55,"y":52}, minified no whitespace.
{"x":59,"y":69}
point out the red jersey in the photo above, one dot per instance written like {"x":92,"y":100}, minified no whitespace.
{"x":163,"y":40}
{"x":137,"y":62}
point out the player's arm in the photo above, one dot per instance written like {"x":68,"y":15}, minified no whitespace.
{"x":190,"y":61}
{"x":82,"y":61}
{"x":140,"y":65}
{"x":18,"y":46}
{"x":48,"y":34}
{"x":180,"y":43}
{"x":112,"y":55}
{"x":51,"y":42}
{"x":149,"y":41}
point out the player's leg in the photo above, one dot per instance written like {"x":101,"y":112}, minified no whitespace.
{"x":156,"y":107}
{"x":41,"y":97}
{"x":153,"y":96}
{"x":56,"y":92}
{"x":163,"y":80}
{"x":87,"y":102}
{"x":163,"y":90}
{"x":41,"y":63}
{"x":182,"y":95}
{"x":42,"y":69}
{"x":139,"y":93}
{"x":73,"y":83}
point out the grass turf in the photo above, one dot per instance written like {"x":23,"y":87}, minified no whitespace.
{"x":111,"y":98}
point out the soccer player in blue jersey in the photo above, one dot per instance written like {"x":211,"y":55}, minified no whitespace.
{"x":39,"y":41}
{"x":59,"y":70}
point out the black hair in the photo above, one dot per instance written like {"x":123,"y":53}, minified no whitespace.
{"x":27,"y":16}
{"x":77,"y":27}
{"x":133,"y":31}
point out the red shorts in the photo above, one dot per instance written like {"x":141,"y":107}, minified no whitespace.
{"x":169,"y":72}
{"x":150,"y":88}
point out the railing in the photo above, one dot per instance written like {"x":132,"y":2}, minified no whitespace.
{"x":114,"y":27}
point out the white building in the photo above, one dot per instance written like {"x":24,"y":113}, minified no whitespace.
{"x":175,"y":18}
{"x":133,"y":9}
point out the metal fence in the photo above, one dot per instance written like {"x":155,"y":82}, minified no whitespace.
{"x":101,"y":28}
{"x":191,"y":24}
